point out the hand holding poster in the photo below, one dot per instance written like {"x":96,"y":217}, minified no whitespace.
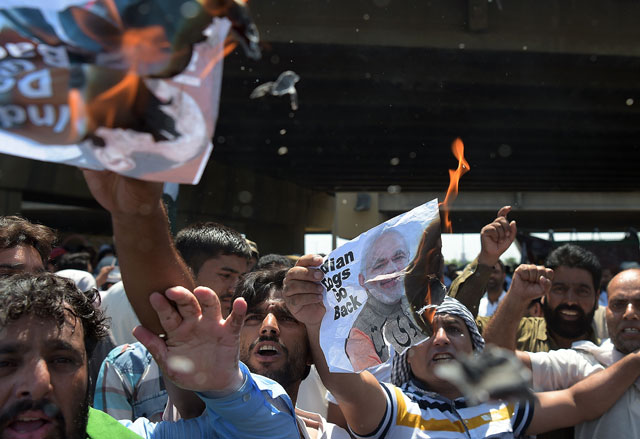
{"x":130,"y":86}
{"x":382,"y":289}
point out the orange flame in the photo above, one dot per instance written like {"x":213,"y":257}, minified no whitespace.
{"x":457,"y":147}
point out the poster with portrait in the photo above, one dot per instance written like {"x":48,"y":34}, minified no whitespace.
{"x":132,"y":87}
{"x":381,"y":290}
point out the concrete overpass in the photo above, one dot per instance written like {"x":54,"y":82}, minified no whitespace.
{"x":545,"y":96}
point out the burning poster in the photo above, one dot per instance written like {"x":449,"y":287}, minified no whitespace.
{"x":382,"y":288}
{"x":127,"y":85}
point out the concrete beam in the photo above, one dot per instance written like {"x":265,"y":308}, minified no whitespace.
{"x":588,"y":27}
{"x":520,"y":201}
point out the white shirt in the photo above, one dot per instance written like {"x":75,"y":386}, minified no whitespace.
{"x":317,"y":422}
{"x":486,"y":308}
{"x":564,"y":367}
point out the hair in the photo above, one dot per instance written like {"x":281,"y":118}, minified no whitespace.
{"x":574,"y":256}
{"x":15,"y":231}
{"x":257,"y":286}
{"x":75,"y":261}
{"x":48,"y":296}
{"x":200,"y":242}
{"x":273,"y":261}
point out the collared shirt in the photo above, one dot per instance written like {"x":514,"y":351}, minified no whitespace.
{"x":130,"y":385}
{"x":259,"y":409}
{"x":487,"y":307}
{"x":413,"y":412}
{"x":533,"y":334}
{"x":562,"y":368}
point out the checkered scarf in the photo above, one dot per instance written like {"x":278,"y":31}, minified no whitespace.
{"x":400,"y":367}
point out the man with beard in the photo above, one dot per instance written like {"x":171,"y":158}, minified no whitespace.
{"x":48,"y":329}
{"x":568,"y":306}
{"x":428,"y":406}
{"x":564,"y":367}
{"x":273,"y":344}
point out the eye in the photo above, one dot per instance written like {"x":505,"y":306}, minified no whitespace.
{"x":287,"y":318}
{"x":584,"y":292}
{"x":253,"y":318}
{"x":617,"y":305}
{"x":8,"y":363}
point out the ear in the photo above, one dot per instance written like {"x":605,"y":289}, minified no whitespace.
{"x":361,"y":280}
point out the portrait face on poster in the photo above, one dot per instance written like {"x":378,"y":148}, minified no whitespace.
{"x":381,"y":287}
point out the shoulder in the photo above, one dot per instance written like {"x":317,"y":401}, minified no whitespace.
{"x":130,"y":357}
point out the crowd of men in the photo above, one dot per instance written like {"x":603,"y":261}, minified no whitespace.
{"x":228,"y":344}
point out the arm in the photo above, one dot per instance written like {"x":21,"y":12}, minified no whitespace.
{"x":148,"y":259}
{"x":585,"y":400}
{"x":495,"y":239}
{"x":360,"y":396}
{"x":529,"y":282}
{"x":200,"y":353}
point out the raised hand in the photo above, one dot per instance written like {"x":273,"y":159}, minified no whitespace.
{"x":303,"y":292}
{"x":495,"y":238}
{"x":531,"y":281}
{"x":200,"y":349}
{"x":123,"y":195}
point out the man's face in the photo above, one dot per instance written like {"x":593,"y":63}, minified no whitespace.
{"x":388,"y":254}
{"x":450,"y":338}
{"x":623,"y":311}
{"x":273,"y":343}
{"x":496,"y":279}
{"x":570,"y":303}
{"x":43,"y":380}
{"x":20,"y":259}
{"x":221,"y":274}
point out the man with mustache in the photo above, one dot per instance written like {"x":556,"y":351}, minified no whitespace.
{"x":568,"y":306}
{"x":562,"y":368}
{"x":427,"y":406}
{"x":48,"y":329}
{"x":274,"y":344}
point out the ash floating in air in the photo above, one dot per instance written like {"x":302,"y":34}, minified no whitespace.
{"x":494,"y":374}
{"x":285,"y":84}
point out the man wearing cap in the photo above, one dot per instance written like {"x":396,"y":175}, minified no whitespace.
{"x":428,"y":406}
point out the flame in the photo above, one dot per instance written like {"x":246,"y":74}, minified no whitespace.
{"x":228,"y":48}
{"x":457,"y":147}
{"x":105,"y":107}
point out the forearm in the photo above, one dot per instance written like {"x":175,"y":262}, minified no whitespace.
{"x":585,"y":400}
{"x":503,"y":326}
{"x":247,"y":413}
{"x":597,"y":393}
{"x":359,"y":395}
{"x":148,"y":259}
{"x":469,"y":287}
{"x":185,"y":401}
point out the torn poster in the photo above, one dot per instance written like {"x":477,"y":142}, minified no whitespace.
{"x":382,"y":289}
{"x":129,"y":86}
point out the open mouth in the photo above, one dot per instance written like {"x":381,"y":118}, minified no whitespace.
{"x":28,"y":427}
{"x":631,"y":331}
{"x":267,"y":351}
{"x":570,"y":314}
{"x":443,"y":357}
